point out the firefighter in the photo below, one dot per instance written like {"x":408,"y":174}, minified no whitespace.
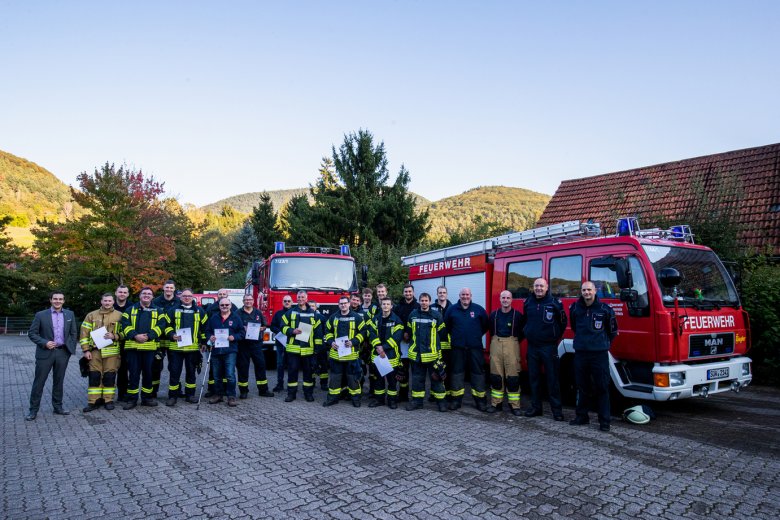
{"x":121,"y":303}
{"x":505,"y":333}
{"x":166,"y":301}
{"x":544,"y":322}
{"x":185,"y":315}
{"x":595,"y":327}
{"x":251,"y":350}
{"x":103,"y":363}
{"x":388,"y":330}
{"x":403,"y":309}
{"x":142,"y":326}
{"x":441,"y":305}
{"x":426,"y":330}
{"x":223,"y":354}
{"x":348,"y":327}
{"x":300,"y":352}
{"x":370,"y":308}
{"x":281,"y":355}
{"x":211,"y":309}
{"x":467,"y":322}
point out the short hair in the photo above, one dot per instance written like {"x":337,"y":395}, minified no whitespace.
{"x":409,"y":285}
{"x":122,"y":286}
{"x":56,"y":291}
{"x":343,"y":298}
{"x":145,"y":288}
{"x":303,"y":291}
{"x":170,"y":282}
{"x":386,"y":299}
{"x":188,"y":289}
{"x":381,"y":286}
{"x":107,"y":295}
{"x":354,"y":295}
{"x":366,"y":290}
{"x":424,"y":295}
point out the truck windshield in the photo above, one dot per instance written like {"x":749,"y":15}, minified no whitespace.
{"x":704,"y":281}
{"x":313,"y":273}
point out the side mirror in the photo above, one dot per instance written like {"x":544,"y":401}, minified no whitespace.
{"x":669,"y":277}
{"x":256,"y":273}
{"x":620,"y":266}
{"x":629,"y":295}
{"x":364,"y":275}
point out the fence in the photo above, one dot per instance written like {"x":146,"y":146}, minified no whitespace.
{"x":17,"y":325}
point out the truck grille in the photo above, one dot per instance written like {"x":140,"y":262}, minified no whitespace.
{"x":701,"y":345}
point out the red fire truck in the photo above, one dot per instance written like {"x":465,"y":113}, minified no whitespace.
{"x":325,"y":273}
{"x":683,"y":331}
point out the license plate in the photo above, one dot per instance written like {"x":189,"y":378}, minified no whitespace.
{"x":718,"y":373}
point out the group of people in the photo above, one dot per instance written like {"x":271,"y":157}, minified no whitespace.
{"x":397,"y":349}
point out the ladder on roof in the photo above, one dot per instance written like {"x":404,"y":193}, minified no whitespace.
{"x":553,"y":234}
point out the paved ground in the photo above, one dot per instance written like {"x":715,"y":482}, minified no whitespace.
{"x":701,"y":459}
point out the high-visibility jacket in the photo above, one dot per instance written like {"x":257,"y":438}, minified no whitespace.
{"x":194,"y":319}
{"x":291,"y":321}
{"x":389,"y":332}
{"x":96,"y":319}
{"x":427,"y":331}
{"x":350,"y":325}
{"x":446,"y":343}
{"x":143,"y":320}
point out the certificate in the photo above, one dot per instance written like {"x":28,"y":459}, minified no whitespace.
{"x":383,"y":365}
{"x":344,"y":350}
{"x":404,"y":350}
{"x":99,"y":339}
{"x":305,"y":332}
{"x":222,"y":338}
{"x":281,"y":338}
{"x":186,"y":337}
{"x":253,"y":330}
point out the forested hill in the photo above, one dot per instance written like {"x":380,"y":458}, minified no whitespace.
{"x":29,"y":192}
{"x":246,"y":201}
{"x":515,"y":208}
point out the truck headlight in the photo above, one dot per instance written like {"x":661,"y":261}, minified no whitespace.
{"x":745,"y":369}
{"x":676,"y":378}
{"x":669,"y":379}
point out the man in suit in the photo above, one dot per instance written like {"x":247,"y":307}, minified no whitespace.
{"x":55,"y":335}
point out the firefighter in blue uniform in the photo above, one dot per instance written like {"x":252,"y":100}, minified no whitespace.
{"x":251,"y":350}
{"x":466,"y":323}
{"x":185,"y":315}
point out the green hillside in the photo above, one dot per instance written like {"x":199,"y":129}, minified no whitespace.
{"x":29,"y":192}
{"x":516,"y":208}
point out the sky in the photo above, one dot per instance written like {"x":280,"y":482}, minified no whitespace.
{"x":221,"y":98}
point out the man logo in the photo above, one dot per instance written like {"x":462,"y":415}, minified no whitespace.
{"x":713,"y":351}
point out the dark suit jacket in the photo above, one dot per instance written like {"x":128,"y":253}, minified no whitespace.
{"x":42,"y":331}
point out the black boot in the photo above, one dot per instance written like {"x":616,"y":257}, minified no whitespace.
{"x":262,"y":391}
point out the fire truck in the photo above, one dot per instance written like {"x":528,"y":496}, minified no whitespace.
{"x":326,"y":274}
{"x":682,"y":329}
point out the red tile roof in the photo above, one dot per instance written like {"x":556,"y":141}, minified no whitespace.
{"x":746,"y":182}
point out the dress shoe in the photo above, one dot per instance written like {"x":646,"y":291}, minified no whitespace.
{"x":171,"y":401}
{"x":129,"y":405}
{"x":60,"y":411}
{"x":558,"y":417}
{"x":533,"y":413}
{"x":309,"y":398}
{"x":31,"y":416}
{"x":579,"y":421}
{"x":231,"y":401}
{"x":216,"y":399}
{"x":149,"y":402}
{"x":604,"y":427}
{"x":109,"y":406}
{"x":414,"y":405}
{"x":90,"y":408}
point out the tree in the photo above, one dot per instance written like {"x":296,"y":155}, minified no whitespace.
{"x":353,"y":202}
{"x":263,"y":222}
{"x":125,"y":236}
{"x":15,"y":282}
{"x":299,"y":226}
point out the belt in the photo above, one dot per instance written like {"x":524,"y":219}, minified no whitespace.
{"x":59,"y":347}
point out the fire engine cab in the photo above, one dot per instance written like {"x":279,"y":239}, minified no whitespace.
{"x":682,"y":329}
{"x":326,"y":274}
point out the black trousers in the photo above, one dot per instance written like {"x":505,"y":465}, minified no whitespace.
{"x":351,"y":371}
{"x":297,"y":362}
{"x":140,"y":363}
{"x":253,"y":353}
{"x":475,"y":359}
{"x":421,"y":372}
{"x":176,"y":361}
{"x":592,"y":367}
{"x":46,"y":361}
{"x":546,"y":356}
{"x":121,"y":374}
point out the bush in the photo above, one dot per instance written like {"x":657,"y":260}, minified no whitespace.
{"x":761,"y":298}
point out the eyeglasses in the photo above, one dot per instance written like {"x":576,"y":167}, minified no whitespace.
{"x":224,"y":305}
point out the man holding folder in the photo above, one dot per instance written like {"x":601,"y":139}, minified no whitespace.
{"x":304,"y":331}
{"x":99,"y":341}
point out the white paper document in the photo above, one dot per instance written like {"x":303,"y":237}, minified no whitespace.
{"x":98,"y":337}
{"x":186,"y":337}
{"x":222,"y":338}
{"x":404,"y":350}
{"x":281,"y":338}
{"x":305,"y":332}
{"x":383,"y":365}
{"x":253,"y":330}
{"x":344,"y":350}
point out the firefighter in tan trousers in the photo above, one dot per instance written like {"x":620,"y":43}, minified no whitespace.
{"x":505,"y":332}
{"x":103,"y":363}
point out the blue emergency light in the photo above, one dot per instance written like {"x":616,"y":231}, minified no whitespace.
{"x":627,"y":226}
{"x":279,"y":247}
{"x":344,"y":249}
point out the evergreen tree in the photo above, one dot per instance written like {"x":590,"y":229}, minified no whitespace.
{"x":299,"y":226}
{"x":263,"y":224}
